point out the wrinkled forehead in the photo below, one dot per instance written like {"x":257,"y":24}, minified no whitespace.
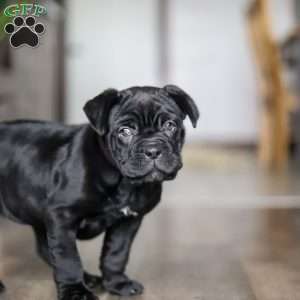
{"x":145,"y":108}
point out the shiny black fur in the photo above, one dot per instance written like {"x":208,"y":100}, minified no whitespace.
{"x":76,"y":182}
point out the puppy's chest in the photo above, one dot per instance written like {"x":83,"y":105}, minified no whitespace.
{"x":111,"y":213}
{"x":123,"y":204}
{"x":123,"y":197}
{"x":110,"y":216}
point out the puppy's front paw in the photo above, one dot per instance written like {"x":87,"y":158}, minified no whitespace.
{"x":75,"y":292}
{"x":123,"y":286}
{"x":92,"y":281}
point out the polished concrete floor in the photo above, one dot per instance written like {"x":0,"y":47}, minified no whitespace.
{"x":225,"y":230}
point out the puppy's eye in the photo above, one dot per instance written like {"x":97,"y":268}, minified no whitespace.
{"x":125,"y":132}
{"x":170,"y":126}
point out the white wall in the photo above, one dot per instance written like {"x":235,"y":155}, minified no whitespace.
{"x":211,"y":58}
{"x":114,"y":44}
{"x":111,"y":44}
{"x":283,"y":17}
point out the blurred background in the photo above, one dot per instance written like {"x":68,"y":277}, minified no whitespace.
{"x":237,"y":198}
{"x":230,"y":57}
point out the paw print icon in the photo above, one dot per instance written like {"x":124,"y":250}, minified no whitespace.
{"x":24,"y":31}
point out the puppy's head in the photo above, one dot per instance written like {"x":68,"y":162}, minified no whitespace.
{"x":143,"y":129}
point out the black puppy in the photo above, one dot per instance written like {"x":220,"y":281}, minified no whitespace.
{"x":76,"y":182}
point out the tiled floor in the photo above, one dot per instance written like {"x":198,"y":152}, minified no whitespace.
{"x":225,"y":230}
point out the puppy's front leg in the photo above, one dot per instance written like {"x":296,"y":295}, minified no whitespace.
{"x":68,"y":272}
{"x":115,"y":255}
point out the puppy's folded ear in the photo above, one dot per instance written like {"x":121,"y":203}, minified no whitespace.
{"x":97,"y":110}
{"x":184,"y":102}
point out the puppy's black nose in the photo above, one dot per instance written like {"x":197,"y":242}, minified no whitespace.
{"x":152,"y":152}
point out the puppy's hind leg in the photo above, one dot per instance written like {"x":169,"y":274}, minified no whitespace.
{"x":2,"y":287}
{"x":42,"y":245}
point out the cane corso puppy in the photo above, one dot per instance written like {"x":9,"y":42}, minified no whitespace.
{"x":76,"y":182}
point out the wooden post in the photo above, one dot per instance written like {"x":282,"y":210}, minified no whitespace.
{"x":274,"y":129}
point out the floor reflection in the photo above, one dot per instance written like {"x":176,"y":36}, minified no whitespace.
{"x":209,"y":253}
{"x":223,"y":231}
